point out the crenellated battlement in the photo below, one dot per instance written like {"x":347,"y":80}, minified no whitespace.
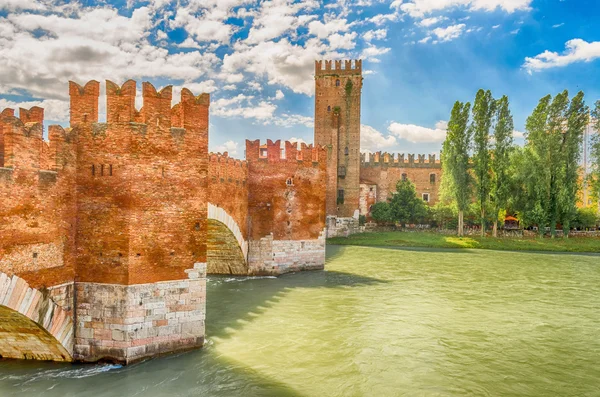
{"x":273,"y":152}
{"x":223,"y":158}
{"x":23,"y":149}
{"x":156,"y":111}
{"x":385,"y":159}
{"x":338,"y":67}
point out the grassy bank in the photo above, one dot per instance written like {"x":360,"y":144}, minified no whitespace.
{"x":433,"y":240}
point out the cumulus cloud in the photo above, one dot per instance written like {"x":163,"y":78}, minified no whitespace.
{"x":577,"y":50}
{"x":230,"y":147}
{"x":372,"y":139}
{"x":372,"y":53}
{"x":54,"y":110}
{"x":417,"y":134}
{"x":420,"y":8}
{"x":431,"y":21}
{"x":450,"y":32}
{"x":371,"y":35}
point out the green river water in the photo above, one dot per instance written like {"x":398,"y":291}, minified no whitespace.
{"x":378,"y":322}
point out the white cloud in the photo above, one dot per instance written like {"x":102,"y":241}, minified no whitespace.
{"x":299,"y":140}
{"x":449,"y":33}
{"x":188,"y":43}
{"x":345,"y":42}
{"x":323,"y":30}
{"x":372,"y":53}
{"x":417,"y":134}
{"x":425,"y":39}
{"x":495,"y":26}
{"x":431,"y":21}
{"x":577,"y":50}
{"x":372,"y":139}
{"x":279,"y":95}
{"x":371,"y":35}
{"x":558,"y":25}
{"x":518,"y":134}
{"x":419,"y":8}
{"x":230,"y":147}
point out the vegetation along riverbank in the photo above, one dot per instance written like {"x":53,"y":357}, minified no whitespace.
{"x":433,"y":240}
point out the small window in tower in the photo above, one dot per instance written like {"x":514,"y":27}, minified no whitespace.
{"x":337,"y":83}
{"x":102,"y":169}
{"x":110,"y":170}
{"x":426,"y":197}
{"x":432,"y":178}
{"x":329,"y":108}
{"x":289,"y":182}
{"x":346,"y":151}
{"x":340,"y":197}
{"x":93,"y":169}
{"x":404,"y":177}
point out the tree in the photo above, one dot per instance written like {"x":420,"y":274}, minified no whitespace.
{"x":586,"y":218}
{"x":570,"y":150}
{"x":595,"y":152}
{"x":500,"y":162}
{"x":483,"y":111}
{"x":532,"y":170}
{"x":455,"y":160}
{"x":405,"y":206}
{"x":380,"y":212}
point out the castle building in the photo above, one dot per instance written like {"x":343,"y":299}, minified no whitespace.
{"x":354,"y":181}
{"x":338,"y":86}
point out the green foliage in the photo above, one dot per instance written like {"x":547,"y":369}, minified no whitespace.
{"x":362,"y":219}
{"x":483,"y":111}
{"x":455,"y":160}
{"x":595,"y":153}
{"x":570,"y":150}
{"x":348,"y":87}
{"x":381,"y":213}
{"x":500,"y":163}
{"x":586,"y":218}
{"x":405,"y":206}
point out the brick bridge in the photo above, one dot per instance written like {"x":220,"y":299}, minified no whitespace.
{"x":107,"y":228}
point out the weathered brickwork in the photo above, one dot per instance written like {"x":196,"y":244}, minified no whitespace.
{"x":380,"y":173}
{"x":119,"y":206}
{"x":286,"y":206}
{"x":37,"y":199}
{"x":338,"y":86}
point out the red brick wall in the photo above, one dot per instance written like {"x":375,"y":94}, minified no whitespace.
{"x":385,"y":170}
{"x":337,"y":125}
{"x":37,"y":200}
{"x":142,"y":187}
{"x":294,"y":212}
{"x":228,"y":187}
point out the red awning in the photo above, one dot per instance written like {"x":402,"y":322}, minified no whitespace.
{"x":510,"y":218}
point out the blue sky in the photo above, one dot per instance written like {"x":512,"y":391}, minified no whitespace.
{"x":257,"y":58}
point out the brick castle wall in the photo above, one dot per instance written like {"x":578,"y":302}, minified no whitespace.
{"x":286,"y":206}
{"x":338,"y":86}
{"x":383,"y":170}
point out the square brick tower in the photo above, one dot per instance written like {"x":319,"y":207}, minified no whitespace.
{"x":338,"y":86}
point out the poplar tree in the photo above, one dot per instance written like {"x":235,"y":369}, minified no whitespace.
{"x":483,"y":111}
{"x":557,"y":120}
{"x":533,"y":172}
{"x":595,"y":152}
{"x":570,"y":150}
{"x":455,"y":159}
{"x":500,"y":162}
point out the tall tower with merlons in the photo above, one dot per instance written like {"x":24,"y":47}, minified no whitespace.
{"x":338,"y":86}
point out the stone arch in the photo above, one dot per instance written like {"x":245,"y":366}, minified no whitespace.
{"x":227,"y":249}
{"x":32,"y":325}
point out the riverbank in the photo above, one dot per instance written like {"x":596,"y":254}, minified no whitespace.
{"x":433,"y":240}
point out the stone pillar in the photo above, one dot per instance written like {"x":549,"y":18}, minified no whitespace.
{"x":127,"y":323}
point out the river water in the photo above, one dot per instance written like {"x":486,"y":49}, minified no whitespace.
{"x":378,"y":322}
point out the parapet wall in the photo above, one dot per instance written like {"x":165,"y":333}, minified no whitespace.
{"x":286,"y":203}
{"x":384,"y":159}
{"x":338,"y":67}
{"x":37,"y":199}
